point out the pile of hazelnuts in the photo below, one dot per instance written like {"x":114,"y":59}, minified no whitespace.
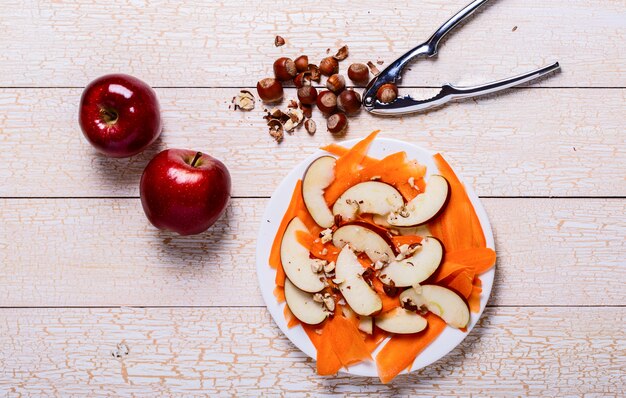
{"x":336,"y":103}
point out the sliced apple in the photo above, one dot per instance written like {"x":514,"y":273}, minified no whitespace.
{"x":440,"y":301}
{"x":355,"y":290}
{"x":296,"y":261}
{"x":424,"y":206}
{"x":363,"y":240}
{"x":366,"y":325}
{"x":416,"y":268}
{"x":419,"y":230}
{"x":302,"y":305}
{"x":368,"y":197}
{"x":318,"y":176}
{"x":401,"y":321}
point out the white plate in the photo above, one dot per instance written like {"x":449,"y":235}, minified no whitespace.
{"x":274,"y":213}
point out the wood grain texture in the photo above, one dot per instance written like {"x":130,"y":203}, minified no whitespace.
{"x":556,"y":142}
{"x":239,"y":351}
{"x":90,"y":252}
{"x":227,"y":44}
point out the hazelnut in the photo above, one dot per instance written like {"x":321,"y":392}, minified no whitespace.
{"x":307,"y":110}
{"x":373,"y":68}
{"x":284,"y":69}
{"x":327,"y":102}
{"x":307,"y":95}
{"x":359,"y":73}
{"x":302,"y":63}
{"x":310,"y":127}
{"x":302,"y":79}
{"x":387,"y":92}
{"x":316,"y":76}
{"x":269,"y":90}
{"x":329,"y":66}
{"x":337,"y":124}
{"x":244,"y":101}
{"x":349,"y":101}
{"x":336,"y":83}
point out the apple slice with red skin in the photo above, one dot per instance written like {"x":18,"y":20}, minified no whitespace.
{"x":425,"y":206}
{"x":296,"y":261}
{"x":401,"y":321}
{"x":441,"y":301}
{"x":302,"y":305}
{"x":355,"y":290}
{"x":365,"y":240}
{"x":371,"y":197}
{"x":317,"y":177}
{"x":416,"y":268}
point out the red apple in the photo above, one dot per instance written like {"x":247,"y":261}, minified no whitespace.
{"x":119,"y":115}
{"x":184,"y":191}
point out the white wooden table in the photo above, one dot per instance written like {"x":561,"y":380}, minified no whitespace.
{"x":85,"y":279}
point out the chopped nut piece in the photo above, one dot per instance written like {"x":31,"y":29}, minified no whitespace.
{"x":329,"y":303}
{"x":373,"y":68}
{"x":292,"y":104}
{"x":412,"y":182}
{"x":244,"y":101}
{"x":276,"y":130}
{"x":310,"y":126}
{"x":338,"y":281}
{"x":289,"y":126}
{"x":408,"y":304}
{"x":318,"y":331}
{"x":318,"y":298}
{"x":279,"y":41}
{"x":404,"y":213}
{"x":391,"y":290}
{"x":342,"y":53}
{"x":317,"y":266}
{"x":316,"y":75}
{"x":338,"y":219}
{"x":296,"y":115}
{"x":326,"y":235}
{"x":375,"y":178}
{"x":394,"y":232}
{"x":324,"y":251}
{"x":378,"y":265}
{"x":380,"y":61}
{"x":330,"y":267}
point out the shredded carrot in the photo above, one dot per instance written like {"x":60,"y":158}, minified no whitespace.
{"x":457,"y":226}
{"x":461,"y":283}
{"x":279,"y":293}
{"x":339,"y":150}
{"x":316,"y":247}
{"x":474,"y":298}
{"x":449,"y":269}
{"x":401,"y":350}
{"x":481,"y":259}
{"x":290,"y":317}
{"x":347,"y":169}
{"x":347,"y":341}
{"x":396,"y":170}
{"x":405,"y":240}
{"x":327,"y":361}
{"x":389,"y":303}
{"x":372,"y":341}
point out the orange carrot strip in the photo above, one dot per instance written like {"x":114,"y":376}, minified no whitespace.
{"x":317,"y":248}
{"x":346,"y":341}
{"x":396,"y":170}
{"x":389,"y":303}
{"x":279,"y":293}
{"x":327,"y":361}
{"x":449,"y":269}
{"x":458,"y":225}
{"x":372,"y":341}
{"x":290,"y":318}
{"x":405,"y":240}
{"x":461,"y":283}
{"x":474,"y":298}
{"x":347,"y":169}
{"x":481,"y":259}
{"x":401,"y":350}
{"x":339,"y":150}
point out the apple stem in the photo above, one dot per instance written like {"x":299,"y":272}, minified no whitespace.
{"x":109,"y":116}
{"x":195,"y":159}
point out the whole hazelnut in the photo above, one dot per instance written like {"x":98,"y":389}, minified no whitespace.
{"x":269,"y":90}
{"x":329,"y":66}
{"x":327,"y":102}
{"x":359,"y":73}
{"x":387,"y":92}
{"x":302,"y":63}
{"x":337,"y":124}
{"x":336,"y":83}
{"x":349,"y":101}
{"x":307,"y":95}
{"x":284,"y":69}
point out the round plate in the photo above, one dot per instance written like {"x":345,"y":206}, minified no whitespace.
{"x":274,"y":213}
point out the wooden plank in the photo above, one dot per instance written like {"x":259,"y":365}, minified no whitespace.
{"x":226,"y":351}
{"x":103,"y":252}
{"x":225,"y":44}
{"x":528,"y":142}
